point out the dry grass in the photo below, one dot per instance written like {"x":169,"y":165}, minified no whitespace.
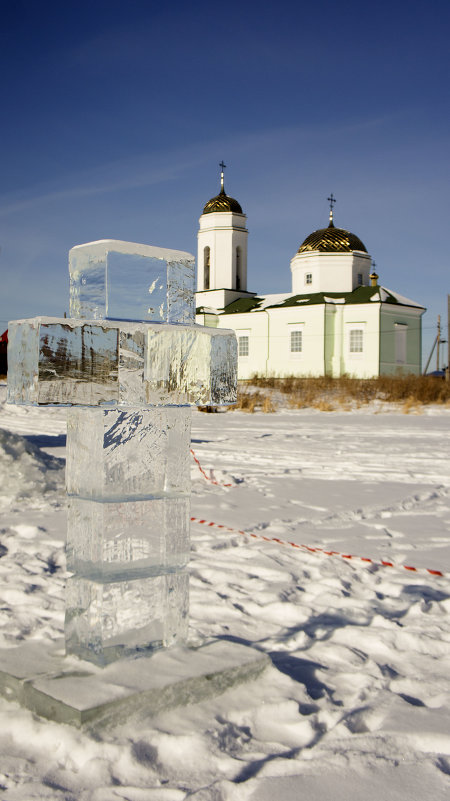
{"x":251,"y":401}
{"x":328,"y":394}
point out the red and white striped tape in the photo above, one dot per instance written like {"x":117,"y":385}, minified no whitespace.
{"x":205,"y":475}
{"x":315,"y":549}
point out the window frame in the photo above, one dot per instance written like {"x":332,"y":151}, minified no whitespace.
{"x":292,"y":329}
{"x":401,"y":343}
{"x":240,"y":339}
{"x":355,"y":328}
{"x":296,"y":353}
{"x":238,"y":267}
{"x":206,"y":268}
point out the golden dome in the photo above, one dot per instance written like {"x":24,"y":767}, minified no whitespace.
{"x":332,"y":240}
{"x":222,"y":202}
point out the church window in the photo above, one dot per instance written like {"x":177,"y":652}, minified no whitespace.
{"x":401,"y":330}
{"x":360,"y":279}
{"x":243,"y":346}
{"x":238,"y":268}
{"x":206,"y":267}
{"x":296,"y":341}
{"x":356,"y":340}
{"x":308,"y":278}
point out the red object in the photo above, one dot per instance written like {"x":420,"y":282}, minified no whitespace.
{"x":278,"y":541}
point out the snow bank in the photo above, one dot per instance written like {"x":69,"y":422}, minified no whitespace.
{"x":27,"y":473}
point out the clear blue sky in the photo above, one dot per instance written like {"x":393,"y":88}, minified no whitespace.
{"x":116,"y":113}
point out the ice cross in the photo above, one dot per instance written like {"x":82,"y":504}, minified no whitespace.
{"x":129,"y":362}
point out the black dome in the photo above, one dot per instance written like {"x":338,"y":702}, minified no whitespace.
{"x":332,"y":240}
{"x":222,"y":202}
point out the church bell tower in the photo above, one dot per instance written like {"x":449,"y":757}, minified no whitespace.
{"x":222,"y":250}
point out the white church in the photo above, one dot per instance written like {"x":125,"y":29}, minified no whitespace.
{"x":336,"y":320}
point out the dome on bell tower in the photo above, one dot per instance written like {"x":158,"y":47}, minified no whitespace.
{"x":222,"y":201}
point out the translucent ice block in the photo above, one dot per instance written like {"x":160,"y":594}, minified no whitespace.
{"x":129,"y":281}
{"x":119,"y":454}
{"x":115,"y":540}
{"x":105,"y":621}
{"x":193,"y":364}
{"x":53,"y":361}
{"x":76,"y":362}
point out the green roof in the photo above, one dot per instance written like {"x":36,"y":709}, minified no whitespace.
{"x":362,"y":294}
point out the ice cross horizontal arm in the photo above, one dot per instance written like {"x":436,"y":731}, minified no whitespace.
{"x":130,"y":361}
{"x":109,"y":363}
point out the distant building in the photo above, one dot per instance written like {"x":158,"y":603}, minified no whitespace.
{"x":336,"y":320}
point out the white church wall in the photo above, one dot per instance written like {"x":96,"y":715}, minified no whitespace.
{"x":329,"y":272}
{"x":360,"y":340}
{"x":400,"y":340}
{"x":351,"y":340}
{"x":277,"y":342}
{"x":361,"y":269}
{"x":332,"y":343}
{"x":296,"y":341}
{"x":253,"y":343}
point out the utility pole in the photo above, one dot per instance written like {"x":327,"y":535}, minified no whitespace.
{"x":438,"y":341}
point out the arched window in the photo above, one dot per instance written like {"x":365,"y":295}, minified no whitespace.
{"x":206,"y":267}
{"x":238,"y":268}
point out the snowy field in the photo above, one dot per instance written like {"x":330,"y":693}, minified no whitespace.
{"x":356,"y":704}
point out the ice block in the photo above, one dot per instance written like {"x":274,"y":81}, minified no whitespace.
{"x":121,"y":454}
{"x":129,"y":281}
{"x":128,"y":481}
{"x":108,"y":620}
{"x":116,"y":540}
{"x":110,"y":363}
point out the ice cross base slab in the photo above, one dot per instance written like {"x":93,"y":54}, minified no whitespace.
{"x":68,"y":690}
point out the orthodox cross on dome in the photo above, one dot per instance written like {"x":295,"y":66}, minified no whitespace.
{"x":331,"y":201}
{"x":222,"y":167}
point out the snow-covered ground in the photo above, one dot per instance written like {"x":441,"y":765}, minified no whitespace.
{"x":356,"y":704}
